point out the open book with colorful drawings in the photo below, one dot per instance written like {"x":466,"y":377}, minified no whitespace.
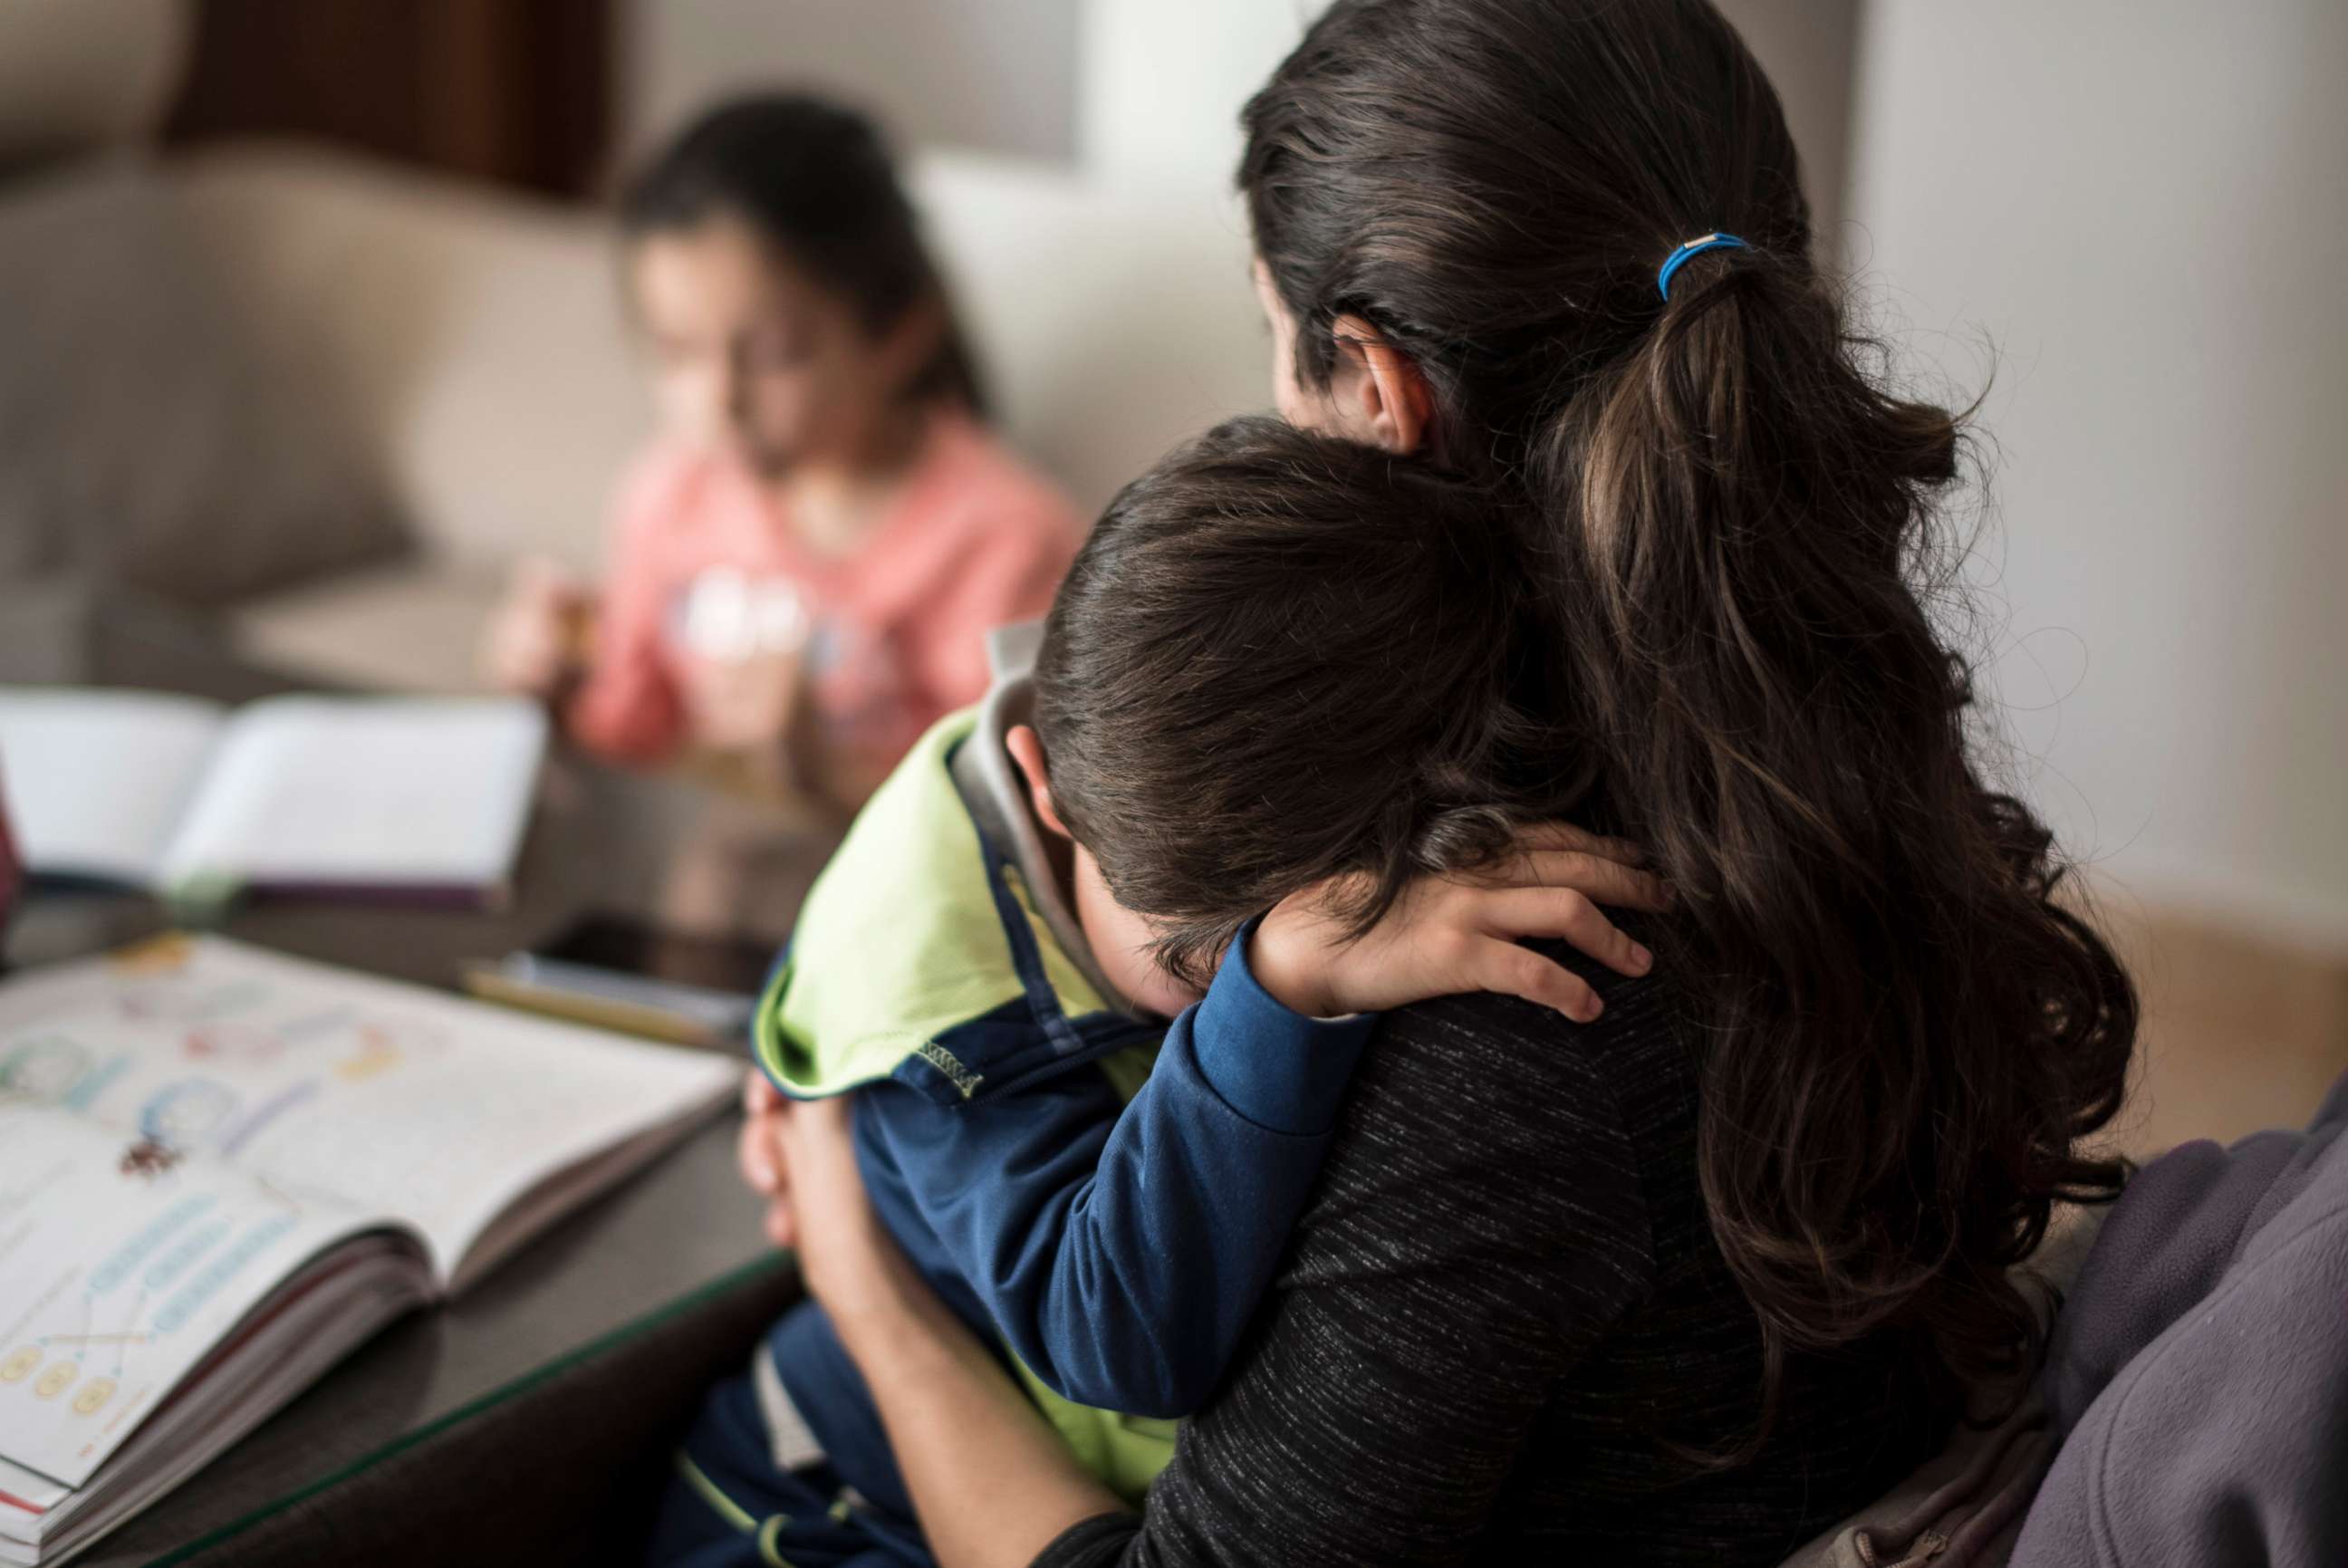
{"x":222,"y":1169}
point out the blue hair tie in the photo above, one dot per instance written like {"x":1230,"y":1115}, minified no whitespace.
{"x":1694,"y":247}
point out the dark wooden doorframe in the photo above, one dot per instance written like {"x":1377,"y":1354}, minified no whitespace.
{"x":515,"y":92}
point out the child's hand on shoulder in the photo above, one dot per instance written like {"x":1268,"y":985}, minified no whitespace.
{"x":1451,"y":934}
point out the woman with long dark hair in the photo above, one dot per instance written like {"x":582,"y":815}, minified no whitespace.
{"x":1690,"y":1283}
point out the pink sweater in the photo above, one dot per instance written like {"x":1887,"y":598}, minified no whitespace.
{"x":898,"y":628}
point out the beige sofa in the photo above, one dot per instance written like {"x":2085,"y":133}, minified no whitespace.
{"x":483,"y":339}
{"x":265,"y":365}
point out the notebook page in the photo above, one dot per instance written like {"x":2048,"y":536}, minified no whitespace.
{"x":392,"y":1098}
{"x":97,"y":782}
{"x":121,"y":1276}
{"x":365,"y":792}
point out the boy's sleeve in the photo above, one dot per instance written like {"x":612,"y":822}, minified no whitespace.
{"x":1120,"y":1250}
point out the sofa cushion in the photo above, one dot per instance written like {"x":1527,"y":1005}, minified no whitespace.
{"x":150,"y":432}
{"x":477,"y":336}
{"x":413,"y":625}
{"x":483,"y":339}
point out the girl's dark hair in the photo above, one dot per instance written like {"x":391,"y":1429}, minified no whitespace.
{"x":817,"y":180}
{"x":1280,"y":657}
{"x":1911,"y":1033}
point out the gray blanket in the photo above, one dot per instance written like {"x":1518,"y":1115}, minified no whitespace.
{"x":2199,"y":1374}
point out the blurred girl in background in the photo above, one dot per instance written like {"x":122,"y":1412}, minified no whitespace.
{"x":806,"y":562}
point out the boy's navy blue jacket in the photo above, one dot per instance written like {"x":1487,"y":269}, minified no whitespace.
{"x":1111,"y":1222}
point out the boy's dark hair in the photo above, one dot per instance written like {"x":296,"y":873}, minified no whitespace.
{"x":817,"y":180}
{"x":1281,"y":657}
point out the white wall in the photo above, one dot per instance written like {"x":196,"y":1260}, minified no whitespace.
{"x":1135,"y":90}
{"x":2143,"y":203}
{"x":1807,"y":46}
{"x":1138,"y":91}
{"x":1159,"y":86}
{"x":998,"y":76}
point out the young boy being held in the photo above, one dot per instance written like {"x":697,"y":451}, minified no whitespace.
{"x":1282,"y":676}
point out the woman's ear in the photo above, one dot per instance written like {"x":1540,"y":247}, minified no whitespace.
{"x":1026,"y":748}
{"x":1383,"y":395}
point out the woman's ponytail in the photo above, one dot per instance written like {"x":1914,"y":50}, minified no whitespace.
{"x":1909,"y":1034}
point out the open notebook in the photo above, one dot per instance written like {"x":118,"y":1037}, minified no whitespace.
{"x":402,"y":795}
{"x":222,"y":1170}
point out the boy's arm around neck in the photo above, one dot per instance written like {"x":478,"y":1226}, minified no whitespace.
{"x":1120,"y":1250}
